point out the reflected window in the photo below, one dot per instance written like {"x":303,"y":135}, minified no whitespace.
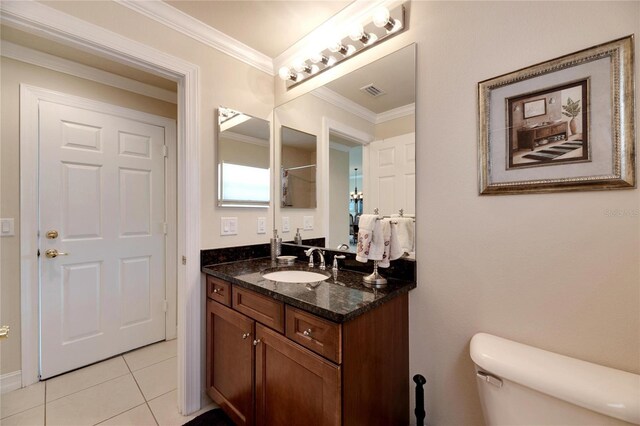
{"x":244,"y":184}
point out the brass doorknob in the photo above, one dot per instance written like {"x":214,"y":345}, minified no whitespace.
{"x":52,"y":253}
{"x":4,"y":332}
{"x":52,"y":235}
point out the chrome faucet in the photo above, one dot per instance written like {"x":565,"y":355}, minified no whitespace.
{"x":335,"y":262}
{"x":320,"y":253}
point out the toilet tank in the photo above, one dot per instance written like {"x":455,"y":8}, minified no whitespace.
{"x":523,"y":385}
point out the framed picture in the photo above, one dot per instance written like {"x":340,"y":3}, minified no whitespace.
{"x":562,"y":125}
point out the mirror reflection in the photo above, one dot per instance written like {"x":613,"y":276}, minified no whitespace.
{"x":365,"y":122}
{"x":298,"y":169}
{"x":243,"y":160}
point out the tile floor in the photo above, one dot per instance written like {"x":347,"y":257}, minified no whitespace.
{"x":137,"y":388}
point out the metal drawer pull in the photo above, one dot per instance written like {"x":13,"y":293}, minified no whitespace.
{"x":216,"y":290}
{"x":256,"y":341}
{"x":307,"y":332}
{"x":245,"y":335}
{"x":53,"y":253}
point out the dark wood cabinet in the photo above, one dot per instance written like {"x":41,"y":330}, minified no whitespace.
{"x":293,"y":385}
{"x":230,"y":361}
{"x":271,"y":364}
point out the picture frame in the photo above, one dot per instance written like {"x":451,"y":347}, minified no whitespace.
{"x":566,"y":124}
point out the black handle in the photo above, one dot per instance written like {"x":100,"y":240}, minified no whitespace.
{"x":419,"y":411}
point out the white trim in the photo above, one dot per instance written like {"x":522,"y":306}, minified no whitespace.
{"x":399,"y":112}
{"x":336,"y":99}
{"x":317,"y":40}
{"x":346,"y":104}
{"x":30,"y":97}
{"x":37,"y":18}
{"x":339,"y":147}
{"x":191,"y":27}
{"x":245,"y":138}
{"x":10,"y":381}
{"x":332,"y":126}
{"x":41,"y":59}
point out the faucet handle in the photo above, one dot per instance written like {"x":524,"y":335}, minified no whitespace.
{"x":335,"y":261}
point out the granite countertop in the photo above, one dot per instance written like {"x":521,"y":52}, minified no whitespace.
{"x":340,"y":298}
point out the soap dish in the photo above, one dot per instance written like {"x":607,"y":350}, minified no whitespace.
{"x":286,"y":260}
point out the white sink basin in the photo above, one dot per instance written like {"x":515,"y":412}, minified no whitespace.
{"x":295,"y":276}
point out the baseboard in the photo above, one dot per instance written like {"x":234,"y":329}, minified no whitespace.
{"x":10,"y":381}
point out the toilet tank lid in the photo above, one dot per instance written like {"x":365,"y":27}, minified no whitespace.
{"x":605,"y":390}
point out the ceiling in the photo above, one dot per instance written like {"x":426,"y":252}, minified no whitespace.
{"x":268,"y":26}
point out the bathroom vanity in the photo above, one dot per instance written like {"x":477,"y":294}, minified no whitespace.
{"x":323,"y":353}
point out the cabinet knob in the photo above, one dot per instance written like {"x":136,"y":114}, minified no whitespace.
{"x":216,"y":290}
{"x":245,"y":335}
{"x":307,"y":332}
{"x":256,"y":341}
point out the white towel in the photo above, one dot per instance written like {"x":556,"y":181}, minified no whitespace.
{"x":381,"y":243}
{"x":395,"y":248}
{"x":366,"y":224}
{"x":405,"y":232}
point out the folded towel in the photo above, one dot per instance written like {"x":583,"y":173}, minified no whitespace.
{"x":381,"y":243}
{"x":366,"y":224}
{"x":405,"y":233}
{"x":395,"y":248}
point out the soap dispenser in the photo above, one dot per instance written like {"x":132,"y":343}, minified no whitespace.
{"x":298,"y":238}
{"x":276,"y":245}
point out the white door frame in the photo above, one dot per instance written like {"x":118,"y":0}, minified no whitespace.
{"x":30,"y":96}
{"x":330,"y":125}
{"x":37,"y":18}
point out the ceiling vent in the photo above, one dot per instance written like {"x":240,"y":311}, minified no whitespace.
{"x":372,"y":90}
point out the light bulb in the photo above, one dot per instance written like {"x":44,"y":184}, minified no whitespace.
{"x":331,"y":61}
{"x":336,"y":46}
{"x":316,"y":57}
{"x":381,"y":17}
{"x":314,"y":69}
{"x":284,"y":73}
{"x":357,"y":32}
{"x":372,"y":39}
{"x":350,"y":50}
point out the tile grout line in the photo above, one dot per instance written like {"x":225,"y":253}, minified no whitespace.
{"x":143,"y":395}
{"x":150,"y":365}
{"x":92,"y":386}
{"x":116,"y":415}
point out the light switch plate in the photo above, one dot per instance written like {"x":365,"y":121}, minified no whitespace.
{"x":229,"y":226}
{"x":308,"y":223}
{"x":262,"y":225}
{"x":7,"y":228}
{"x":285,"y":224}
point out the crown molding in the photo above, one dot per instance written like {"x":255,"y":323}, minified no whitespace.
{"x":348,"y":105}
{"x":244,"y":138}
{"x":399,"y":112}
{"x":316,"y":41}
{"x":339,"y":147}
{"x":54,"y":63}
{"x":198,"y":30}
{"x":354,"y":108}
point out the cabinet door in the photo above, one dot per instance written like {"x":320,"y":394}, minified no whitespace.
{"x":230,"y":361}
{"x":294,"y":386}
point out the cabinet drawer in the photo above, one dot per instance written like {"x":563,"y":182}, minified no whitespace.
{"x":319,"y":335}
{"x":261,"y":308}
{"x":219,"y":290}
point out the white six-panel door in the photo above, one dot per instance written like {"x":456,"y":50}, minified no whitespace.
{"x":391,"y":175}
{"x":102,"y":189}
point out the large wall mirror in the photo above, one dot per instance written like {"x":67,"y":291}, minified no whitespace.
{"x":243,"y":160}
{"x":364,"y":123}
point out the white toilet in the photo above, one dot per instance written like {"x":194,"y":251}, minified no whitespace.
{"x":523,"y":385}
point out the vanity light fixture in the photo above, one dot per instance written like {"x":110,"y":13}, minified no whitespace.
{"x":384,"y":24}
{"x":337,"y":47}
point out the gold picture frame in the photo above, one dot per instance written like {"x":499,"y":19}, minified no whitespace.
{"x":585,"y":140}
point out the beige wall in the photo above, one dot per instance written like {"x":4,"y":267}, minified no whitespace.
{"x":338,"y":198}
{"x":551,"y":270}
{"x":12,"y":74}
{"x":395,"y":127}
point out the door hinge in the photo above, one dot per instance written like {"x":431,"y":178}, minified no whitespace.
{"x":165,"y":305}
{"x":38,"y":252}
{"x":164,"y":228}
{"x":184,"y":260}
{"x":165,"y":151}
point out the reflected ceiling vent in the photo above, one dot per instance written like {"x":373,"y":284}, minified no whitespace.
{"x":372,"y":90}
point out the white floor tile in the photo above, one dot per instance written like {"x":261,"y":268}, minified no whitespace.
{"x":95,"y":404}
{"x":165,"y":410}
{"x":157,"y":379}
{"x":21,"y":400}
{"x":139,"y":416}
{"x":31,"y":417}
{"x":151,"y":354}
{"x":85,"y":378}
